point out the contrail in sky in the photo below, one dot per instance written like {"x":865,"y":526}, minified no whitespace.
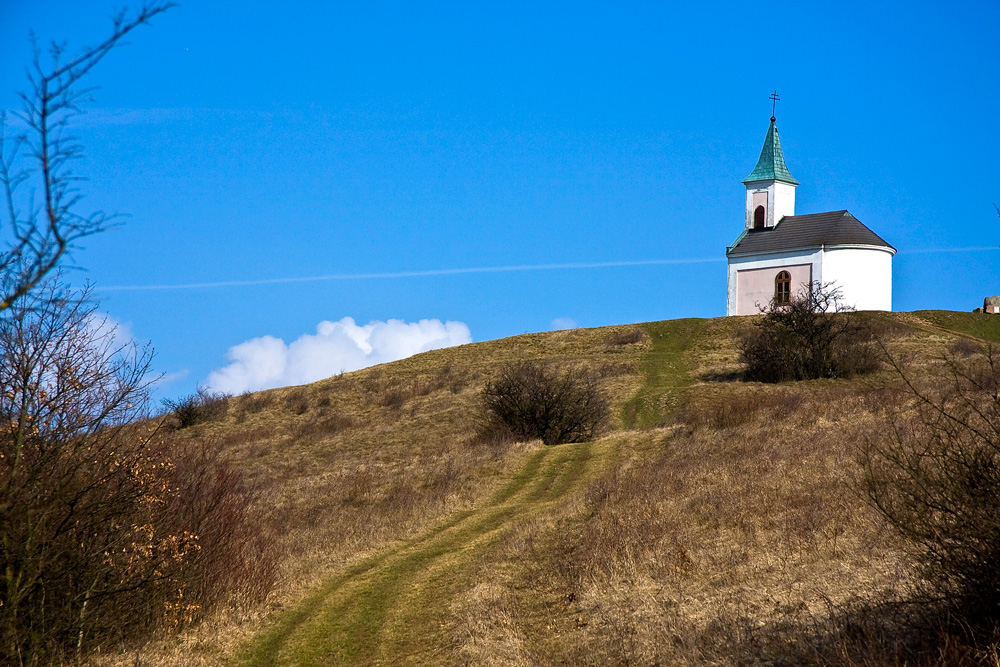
{"x":411,"y":274}
{"x":474,"y":269}
{"x":923,"y":251}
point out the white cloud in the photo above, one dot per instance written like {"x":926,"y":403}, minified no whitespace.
{"x":105,"y":329}
{"x":168,"y":378}
{"x":267,"y":362}
{"x":563,"y":323}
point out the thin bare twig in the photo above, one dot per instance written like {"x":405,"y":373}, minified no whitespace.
{"x":36,"y":239}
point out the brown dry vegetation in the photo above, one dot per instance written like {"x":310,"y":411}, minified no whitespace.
{"x":705,"y":543}
{"x":359,"y":461}
{"x":731,"y":535}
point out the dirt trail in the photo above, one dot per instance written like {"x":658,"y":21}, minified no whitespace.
{"x":393,"y":607}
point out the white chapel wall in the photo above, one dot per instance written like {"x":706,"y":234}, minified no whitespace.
{"x":864,"y":276}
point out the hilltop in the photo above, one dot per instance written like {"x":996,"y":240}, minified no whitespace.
{"x":714,"y":523}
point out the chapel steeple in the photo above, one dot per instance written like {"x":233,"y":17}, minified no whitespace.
{"x":771,"y":164}
{"x":770,"y":186}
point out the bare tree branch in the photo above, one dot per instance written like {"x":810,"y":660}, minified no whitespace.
{"x":34,"y":239}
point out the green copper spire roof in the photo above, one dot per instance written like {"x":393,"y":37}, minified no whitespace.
{"x":771,"y":165}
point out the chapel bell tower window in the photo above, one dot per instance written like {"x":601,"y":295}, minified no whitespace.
{"x":758,"y":217}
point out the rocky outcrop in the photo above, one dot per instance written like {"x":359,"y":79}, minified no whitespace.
{"x":991,"y":304}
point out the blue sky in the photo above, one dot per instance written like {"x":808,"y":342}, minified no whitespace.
{"x":253,"y":142}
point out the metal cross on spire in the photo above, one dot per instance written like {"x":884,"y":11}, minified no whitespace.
{"x":774,"y":100}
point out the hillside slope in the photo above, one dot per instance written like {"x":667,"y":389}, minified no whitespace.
{"x":711,"y":525}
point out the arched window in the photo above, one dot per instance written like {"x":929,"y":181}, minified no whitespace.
{"x":783,"y":288}
{"x":758,"y":218}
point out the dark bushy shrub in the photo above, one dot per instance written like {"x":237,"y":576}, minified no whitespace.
{"x":297,"y":401}
{"x":201,"y":406}
{"x":529,"y":400}
{"x":963,"y":347}
{"x":812,"y":336}
{"x":625,"y":337}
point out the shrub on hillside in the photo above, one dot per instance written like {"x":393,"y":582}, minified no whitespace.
{"x":740,"y":409}
{"x":201,"y":406}
{"x":297,"y":401}
{"x":934,"y":474}
{"x":251,"y":403}
{"x":236,"y":559}
{"x":625,"y":337}
{"x":529,"y":400}
{"x":812,"y":336}
{"x":106,"y":532}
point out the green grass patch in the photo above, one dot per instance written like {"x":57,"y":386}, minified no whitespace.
{"x":348,"y":620}
{"x":985,"y":326}
{"x":665,"y":372}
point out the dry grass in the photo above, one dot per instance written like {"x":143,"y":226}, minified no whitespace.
{"x":363,"y":460}
{"x":713,"y":533}
{"x":735,"y":537}
{"x":729,"y":536}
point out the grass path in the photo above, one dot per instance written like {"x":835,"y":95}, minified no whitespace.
{"x":665,"y":372}
{"x":394,"y":606}
{"x":975,"y":326}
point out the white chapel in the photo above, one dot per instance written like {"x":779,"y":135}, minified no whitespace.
{"x":780,"y":253}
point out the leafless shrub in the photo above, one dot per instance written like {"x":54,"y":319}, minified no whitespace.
{"x":963,"y":347}
{"x":236,"y":559}
{"x":296,"y":401}
{"x":254,"y":402}
{"x":626,"y":337}
{"x":107,"y":532}
{"x":933,"y":473}
{"x":394,"y":398}
{"x":532,"y":401}
{"x":812,"y":336}
{"x":197,"y":408}
{"x":733,"y":411}
{"x":84,"y":555}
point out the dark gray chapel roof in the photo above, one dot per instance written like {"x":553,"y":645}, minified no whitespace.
{"x":795,"y":232}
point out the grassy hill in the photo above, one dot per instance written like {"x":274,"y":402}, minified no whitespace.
{"x":714,"y":524}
